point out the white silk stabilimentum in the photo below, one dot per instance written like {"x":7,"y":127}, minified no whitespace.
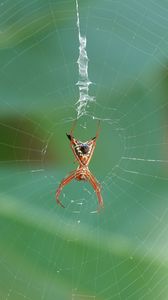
{"x":83,"y":82}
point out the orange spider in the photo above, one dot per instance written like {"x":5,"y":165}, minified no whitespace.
{"x":83,"y":152}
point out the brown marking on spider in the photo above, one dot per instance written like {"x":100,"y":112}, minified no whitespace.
{"x":83,"y":152}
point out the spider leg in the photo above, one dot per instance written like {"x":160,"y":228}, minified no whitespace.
{"x":64,"y":182}
{"x":73,"y":127}
{"x":98,"y":129}
{"x":97,"y":132}
{"x":96,"y":185}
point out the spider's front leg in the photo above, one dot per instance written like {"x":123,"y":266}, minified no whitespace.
{"x":96,"y":185}
{"x":64,"y":182}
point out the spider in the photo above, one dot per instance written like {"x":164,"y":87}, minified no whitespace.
{"x":83,"y":152}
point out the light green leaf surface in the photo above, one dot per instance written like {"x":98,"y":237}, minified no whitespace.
{"x":44,"y":249}
{"x":50,"y":253}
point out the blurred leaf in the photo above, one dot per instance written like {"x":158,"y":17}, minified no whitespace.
{"x":42,"y":245}
{"x":50,"y":253}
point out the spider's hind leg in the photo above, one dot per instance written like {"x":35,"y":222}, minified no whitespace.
{"x":96,"y":185}
{"x":64,"y":182}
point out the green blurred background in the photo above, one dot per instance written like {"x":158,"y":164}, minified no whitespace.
{"x":47,"y":252}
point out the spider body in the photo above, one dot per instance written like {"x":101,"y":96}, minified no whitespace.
{"x":83,"y":152}
{"x":82,"y":174}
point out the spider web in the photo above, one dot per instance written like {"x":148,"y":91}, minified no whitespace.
{"x":50,"y":253}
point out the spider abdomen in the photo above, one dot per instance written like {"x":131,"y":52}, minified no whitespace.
{"x":83,"y":152}
{"x":84,"y":148}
